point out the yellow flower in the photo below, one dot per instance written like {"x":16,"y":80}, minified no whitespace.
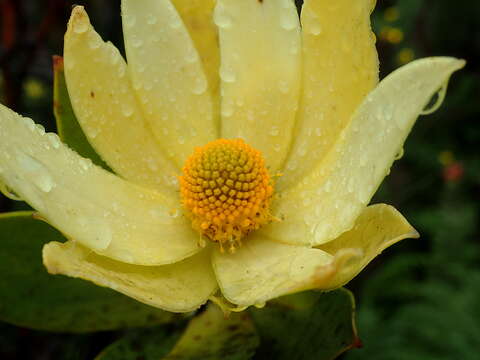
{"x":305,"y":97}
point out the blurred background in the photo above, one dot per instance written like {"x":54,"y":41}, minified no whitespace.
{"x":420,"y":299}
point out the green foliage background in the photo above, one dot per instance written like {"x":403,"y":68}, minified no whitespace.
{"x":420,"y":299}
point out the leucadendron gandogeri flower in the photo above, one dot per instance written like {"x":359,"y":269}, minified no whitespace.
{"x":246,"y":145}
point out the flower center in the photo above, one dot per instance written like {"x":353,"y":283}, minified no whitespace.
{"x":226,"y":191}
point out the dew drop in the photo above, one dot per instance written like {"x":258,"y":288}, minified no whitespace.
{"x":315,"y":28}
{"x":103,"y":234}
{"x":363,"y":159}
{"x":129,"y":20}
{"x":328,"y":186}
{"x":137,"y":42}
{"x":227,"y":109}
{"x":289,"y":20}
{"x":260,"y":305}
{"x":151,"y":19}
{"x":227,"y":75}
{"x":350,"y":185}
{"x":54,"y":140}
{"x":85,"y":164}
{"x":221,"y":18}
{"x":302,"y":151}
{"x":80,"y":27}
{"x":175,"y":23}
{"x":40,"y":129}
{"x":38,"y":173}
{"x":29,"y":123}
{"x":274,"y":131}
{"x":192,"y":56}
{"x":283,"y":86}
{"x":294,"y":49}
{"x":152,"y":165}
{"x":127,"y":109}
{"x":200,"y":86}
{"x":250,"y":116}
{"x":292,"y":165}
{"x":92,"y":131}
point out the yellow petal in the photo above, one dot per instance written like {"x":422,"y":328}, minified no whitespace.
{"x":260,"y":73}
{"x":262,"y":269}
{"x":168,"y":77}
{"x":378,"y":227}
{"x":340,"y":67}
{"x":179,"y":287}
{"x":326,"y":202}
{"x":197,"y":16}
{"x":107,"y":110}
{"x":111,"y":216}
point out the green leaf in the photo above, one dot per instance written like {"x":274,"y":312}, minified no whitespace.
{"x":208,"y":336}
{"x":68,"y":127}
{"x":146,"y":344}
{"x":211,"y":336}
{"x":30,"y":297}
{"x":309,"y":325}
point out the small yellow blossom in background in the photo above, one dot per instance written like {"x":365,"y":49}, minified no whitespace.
{"x":405,"y":55}
{"x":392,"y":35}
{"x":34,"y":88}
{"x":303,"y":96}
{"x":391,"y":14}
{"x":446,"y":158}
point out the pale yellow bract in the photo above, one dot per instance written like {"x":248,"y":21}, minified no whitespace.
{"x":302,"y":91}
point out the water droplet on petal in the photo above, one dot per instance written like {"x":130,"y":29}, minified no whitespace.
{"x":129,"y":20}
{"x":175,"y":23}
{"x":283,"y":86}
{"x":151,"y":19}
{"x":274,"y":131}
{"x":289,"y":20}
{"x":221,"y":18}
{"x":227,"y":75}
{"x":103,"y":234}
{"x":200,"y":86}
{"x":54,"y":140}
{"x":80,"y":27}
{"x":37,"y":172}
{"x":127,"y":109}
{"x":85,"y":163}
{"x":136,"y":42}
{"x":315,"y":28}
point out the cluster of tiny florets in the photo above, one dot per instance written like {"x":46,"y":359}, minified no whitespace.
{"x":226,"y":191}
